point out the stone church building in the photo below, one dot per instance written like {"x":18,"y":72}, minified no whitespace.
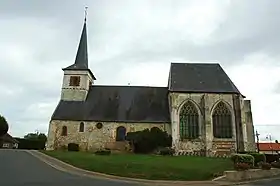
{"x":200,"y":107}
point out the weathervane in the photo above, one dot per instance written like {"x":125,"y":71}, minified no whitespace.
{"x":86,"y":13}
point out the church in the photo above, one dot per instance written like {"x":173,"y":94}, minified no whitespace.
{"x":200,"y":107}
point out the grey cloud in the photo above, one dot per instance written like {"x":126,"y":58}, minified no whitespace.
{"x":247,"y":29}
{"x":277,"y":88}
{"x":251,"y":28}
{"x":39,"y":8}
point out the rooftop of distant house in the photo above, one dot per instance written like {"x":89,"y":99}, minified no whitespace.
{"x":8,"y":138}
{"x":269,"y":146}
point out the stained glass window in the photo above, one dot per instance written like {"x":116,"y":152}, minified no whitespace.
{"x":189,"y":126}
{"x":222,"y":121}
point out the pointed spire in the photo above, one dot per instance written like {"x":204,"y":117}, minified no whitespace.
{"x":81,"y":61}
{"x":82,"y":53}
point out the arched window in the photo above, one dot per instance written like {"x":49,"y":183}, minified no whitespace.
{"x":64,"y":131}
{"x":222,"y":121}
{"x":155,"y":129}
{"x":121,"y":133}
{"x":189,"y":126}
{"x":82,"y":127}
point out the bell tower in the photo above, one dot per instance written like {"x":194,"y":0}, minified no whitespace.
{"x":78,"y":77}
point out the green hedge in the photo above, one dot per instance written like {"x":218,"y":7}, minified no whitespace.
{"x":30,"y":144}
{"x":258,"y":158}
{"x":243,"y":158}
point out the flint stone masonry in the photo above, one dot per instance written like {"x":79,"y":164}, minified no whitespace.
{"x":92,"y":138}
{"x":205,"y":103}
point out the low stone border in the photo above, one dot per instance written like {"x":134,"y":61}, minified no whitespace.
{"x":62,"y":166}
{"x":252,"y":174}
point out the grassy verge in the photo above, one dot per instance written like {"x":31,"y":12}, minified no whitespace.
{"x":147,"y":166}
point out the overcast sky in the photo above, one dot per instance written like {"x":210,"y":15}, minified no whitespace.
{"x":133,"y":41}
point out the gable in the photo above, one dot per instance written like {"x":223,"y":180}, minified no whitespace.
{"x":199,"y":78}
{"x":7,"y":138}
{"x":117,"y":103}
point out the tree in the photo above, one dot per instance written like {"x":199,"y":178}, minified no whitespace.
{"x":4,"y":127}
{"x":36,"y":136}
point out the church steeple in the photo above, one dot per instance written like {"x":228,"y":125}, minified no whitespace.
{"x":78,"y":78}
{"x":81,"y":61}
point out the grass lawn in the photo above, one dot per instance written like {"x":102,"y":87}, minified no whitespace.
{"x":147,"y":166}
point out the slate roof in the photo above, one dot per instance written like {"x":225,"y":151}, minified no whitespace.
{"x":8,"y":138}
{"x":200,"y":78}
{"x":118,"y":103}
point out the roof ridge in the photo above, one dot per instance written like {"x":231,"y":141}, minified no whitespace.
{"x":197,"y":63}
{"x":137,"y":86}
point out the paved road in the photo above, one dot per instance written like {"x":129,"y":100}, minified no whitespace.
{"x":272,"y":182}
{"x":19,"y":168}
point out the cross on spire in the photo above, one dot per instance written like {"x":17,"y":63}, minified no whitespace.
{"x":86,"y":13}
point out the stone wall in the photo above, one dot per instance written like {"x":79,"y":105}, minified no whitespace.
{"x":92,"y":138}
{"x":205,"y":104}
{"x":79,"y":93}
{"x":251,"y":174}
{"x":250,"y":143}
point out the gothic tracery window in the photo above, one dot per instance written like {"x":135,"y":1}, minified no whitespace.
{"x":189,"y":126}
{"x":222,"y":121}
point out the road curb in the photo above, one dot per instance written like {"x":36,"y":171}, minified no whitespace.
{"x":62,"y":166}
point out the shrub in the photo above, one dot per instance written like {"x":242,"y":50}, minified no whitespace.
{"x":103,"y":152}
{"x":266,"y":166}
{"x":73,"y":147}
{"x":241,"y":166}
{"x":147,"y":141}
{"x":258,"y":157}
{"x":243,"y":158}
{"x":166,"y":151}
{"x":275,"y":165}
